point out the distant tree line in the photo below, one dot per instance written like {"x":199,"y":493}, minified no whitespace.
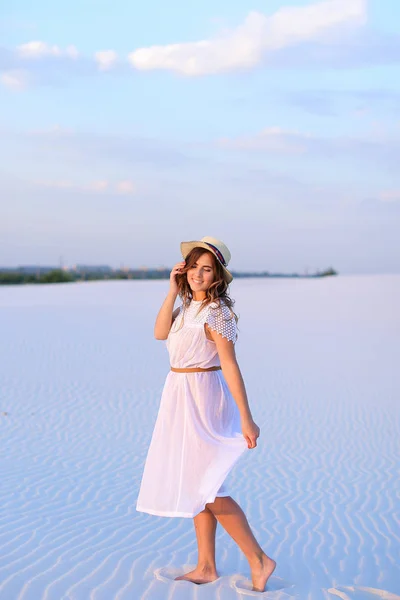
{"x":19,"y":276}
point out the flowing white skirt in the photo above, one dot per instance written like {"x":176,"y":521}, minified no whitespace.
{"x":196,"y":441}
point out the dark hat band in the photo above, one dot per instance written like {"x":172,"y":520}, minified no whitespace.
{"x":218,"y":254}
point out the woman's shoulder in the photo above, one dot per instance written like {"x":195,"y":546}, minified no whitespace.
{"x":219,"y":308}
{"x":220,"y":303}
{"x":221,"y":318}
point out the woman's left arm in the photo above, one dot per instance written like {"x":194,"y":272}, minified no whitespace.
{"x":234,"y":379}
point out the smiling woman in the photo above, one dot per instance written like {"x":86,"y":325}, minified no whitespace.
{"x":204,"y":274}
{"x":204,"y":423}
{"x":200,"y":270}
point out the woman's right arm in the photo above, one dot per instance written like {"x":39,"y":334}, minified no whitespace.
{"x":167,"y":314}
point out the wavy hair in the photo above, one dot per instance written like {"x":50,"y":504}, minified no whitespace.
{"x":218,"y":290}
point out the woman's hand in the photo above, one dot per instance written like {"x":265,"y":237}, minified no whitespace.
{"x":176,"y":270}
{"x":251,"y":432}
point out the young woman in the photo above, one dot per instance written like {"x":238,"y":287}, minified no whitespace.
{"x":204,"y":423}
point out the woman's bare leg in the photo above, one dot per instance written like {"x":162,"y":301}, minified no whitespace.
{"x":205,"y":525}
{"x":234,"y":521}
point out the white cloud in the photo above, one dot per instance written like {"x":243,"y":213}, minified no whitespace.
{"x":55,"y":130}
{"x":245,"y":46}
{"x":105,"y":59}
{"x":271,"y":139}
{"x":126,"y":187}
{"x":370,"y":148}
{"x":15,"y":79}
{"x":62,"y":184}
{"x":37,"y":49}
{"x":96,"y":187}
{"x":390,"y":196}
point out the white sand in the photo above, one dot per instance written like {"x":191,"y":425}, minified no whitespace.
{"x":80,"y":382}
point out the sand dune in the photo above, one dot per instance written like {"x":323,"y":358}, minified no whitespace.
{"x":80,"y":382}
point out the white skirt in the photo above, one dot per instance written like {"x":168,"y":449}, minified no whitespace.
{"x":196,"y":441}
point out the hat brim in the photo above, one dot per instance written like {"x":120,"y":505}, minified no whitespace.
{"x":186,"y":247}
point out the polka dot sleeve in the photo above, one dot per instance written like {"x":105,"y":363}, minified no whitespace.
{"x":221,"y":320}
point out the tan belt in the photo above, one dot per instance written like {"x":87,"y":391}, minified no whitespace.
{"x":195,"y":370}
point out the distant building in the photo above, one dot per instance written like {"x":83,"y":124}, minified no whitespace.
{"x":93,"y":269}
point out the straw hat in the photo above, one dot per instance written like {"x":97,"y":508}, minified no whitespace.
{"x":215,"y":246}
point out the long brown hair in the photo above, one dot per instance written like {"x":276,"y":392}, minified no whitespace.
{"x":218,"y":290}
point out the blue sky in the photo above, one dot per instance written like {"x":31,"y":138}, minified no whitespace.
{"x":272,"y":125}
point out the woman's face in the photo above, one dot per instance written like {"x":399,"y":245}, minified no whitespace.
{"x":201,"y":274}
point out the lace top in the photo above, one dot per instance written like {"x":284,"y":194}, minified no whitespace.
{"x":187,"y":343}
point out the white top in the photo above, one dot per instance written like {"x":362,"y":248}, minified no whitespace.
{"x":187,"y":343}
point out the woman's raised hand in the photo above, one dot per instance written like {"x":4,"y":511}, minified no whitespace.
{"x":251,"y":432}
{"x":176,"y":270}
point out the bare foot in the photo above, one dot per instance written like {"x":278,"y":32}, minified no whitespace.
{"x":261,"y":572}
{"x":199,"y":576}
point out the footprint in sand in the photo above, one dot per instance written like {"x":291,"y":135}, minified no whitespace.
{"x":168,"y":574}
{"x":277,"y":588}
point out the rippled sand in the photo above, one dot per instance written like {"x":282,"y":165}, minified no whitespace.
{"x":80,"y":381}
